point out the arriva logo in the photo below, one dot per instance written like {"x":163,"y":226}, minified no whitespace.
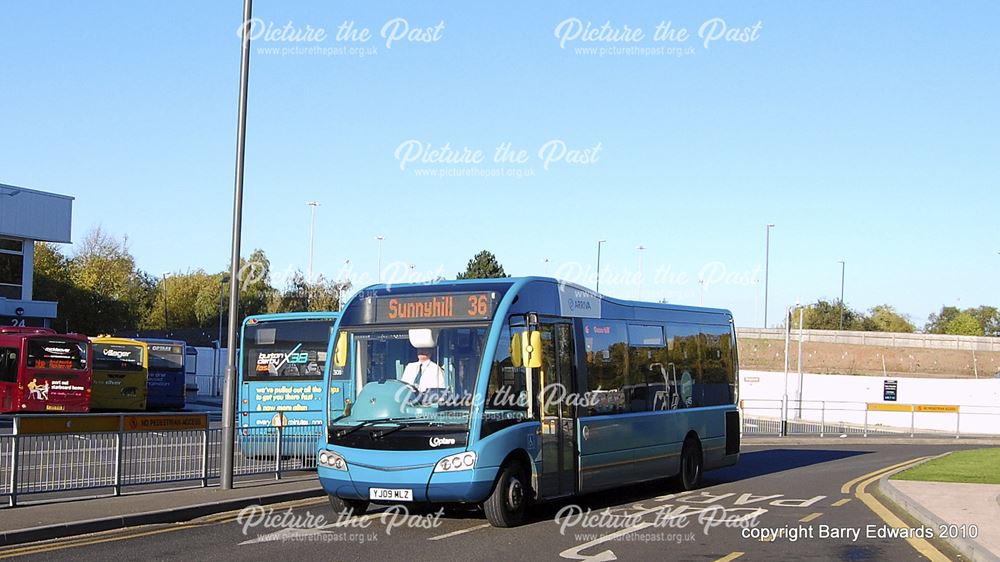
{"x":438,"y":441}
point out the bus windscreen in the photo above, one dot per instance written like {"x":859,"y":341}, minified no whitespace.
{"x":56,"y":353}
{"x":165,"y":357}
{"x":286,"y":350}
{"x":117,"y":357}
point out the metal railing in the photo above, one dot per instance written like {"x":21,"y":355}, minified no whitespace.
{"x":48,"y":460}
{"x":882,"y":339}
{"x":841,"y":418}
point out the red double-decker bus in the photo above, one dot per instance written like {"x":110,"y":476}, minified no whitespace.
{"x":44,"y":371}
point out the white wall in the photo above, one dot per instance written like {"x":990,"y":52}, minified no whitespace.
{"x":209,"y":381}
{"x":844,"y":398}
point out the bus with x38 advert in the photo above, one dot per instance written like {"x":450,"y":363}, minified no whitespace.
{"x":281,"y":373}
{"x":501,"y":393}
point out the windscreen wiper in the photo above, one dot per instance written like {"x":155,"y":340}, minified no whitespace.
{"x":352,"y":429}
{"x":399,"y":426}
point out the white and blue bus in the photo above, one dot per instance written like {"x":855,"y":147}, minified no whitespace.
{"x":537,"y":390}
{"x":281,"y":381}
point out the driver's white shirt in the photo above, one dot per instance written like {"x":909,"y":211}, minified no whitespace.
{"x":433,"y":376}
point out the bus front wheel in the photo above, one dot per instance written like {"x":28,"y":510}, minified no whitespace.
{"x":350,"y":507}
{"x":507,"y":504}
{"x":691,"y":465}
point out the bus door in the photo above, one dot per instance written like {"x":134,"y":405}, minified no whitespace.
{"x":9,"y":365}
{"x":557,"y":382}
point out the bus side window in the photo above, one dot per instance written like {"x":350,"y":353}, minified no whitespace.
{"x":8,"y":364}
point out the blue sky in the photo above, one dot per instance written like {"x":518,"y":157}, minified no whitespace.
{"x":864,"y":132}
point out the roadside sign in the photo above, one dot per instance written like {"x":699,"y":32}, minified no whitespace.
{"x":875,"y":407}
{"x":947,"y":409}
{"x":934,"y":408}
{"x":65,"y":424}
{"x":165,"y":422}
{"x":889,"y":391}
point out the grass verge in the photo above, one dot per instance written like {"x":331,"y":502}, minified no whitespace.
{"x":978,"y":466}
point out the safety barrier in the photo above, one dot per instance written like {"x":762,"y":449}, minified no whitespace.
{"x":53,"y":454}
{"x":838,"y":418}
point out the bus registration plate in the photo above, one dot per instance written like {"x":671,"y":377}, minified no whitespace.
{"x":390,"y":494}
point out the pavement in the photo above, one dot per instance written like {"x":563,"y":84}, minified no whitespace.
{"x":43,"y":521}
{"x":964,"y":515}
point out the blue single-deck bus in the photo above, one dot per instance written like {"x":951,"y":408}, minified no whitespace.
{"x":504,"y":392}
{"x":165,"y":389}
{"x":281,"y":381}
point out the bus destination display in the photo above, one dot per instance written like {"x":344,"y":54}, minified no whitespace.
{"x":455,"y":306}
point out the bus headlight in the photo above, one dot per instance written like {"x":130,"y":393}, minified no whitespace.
{"x":332,"y":460}
{"x":455,"y":463}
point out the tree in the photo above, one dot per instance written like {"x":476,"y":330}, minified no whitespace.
{"x":180,"y":293}
{"x":825,"y":315}
{"x":99,"y":289}
{"x":483,"y":266}
{"x":964,"y":324}
{"x":52,"y":282}
{"x":884,"y":318}
{"x":988,"y":318}
{"x":302,"y":296}
{"x":256,"y":291}
{"x":206,"y":304}
{"x":979,"y":321}
{"x":938,"y":323}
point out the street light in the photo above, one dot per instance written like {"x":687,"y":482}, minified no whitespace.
{"x":229,"y":399}
{"x":599,"y":242}
{"x":380,"y":239}
{"x":546,"y":260}
{"x":842,"y":267}
{"x":343,"y":286}
{"x":702,"y":291}
{"x":312,"y":230}
{"x":638,"y":289}
{"x":215,"y":367}
{"x":767,"y":259}
{"x":166,"y":323}
{"x":222,"y":285}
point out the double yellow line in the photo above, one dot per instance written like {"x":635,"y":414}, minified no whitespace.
{"x":126,"y":534}
{"x":860,"y":485}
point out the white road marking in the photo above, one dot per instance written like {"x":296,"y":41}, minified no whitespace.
{"x":459,"y":532}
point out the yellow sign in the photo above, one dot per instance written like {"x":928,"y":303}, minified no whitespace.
{"x":937,"y":408}
{"x":165,"y":422}
{"x":890,"y":408}
{"x":66,"y":424}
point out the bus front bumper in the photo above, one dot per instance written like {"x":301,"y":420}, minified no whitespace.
{"x":425,"y":486}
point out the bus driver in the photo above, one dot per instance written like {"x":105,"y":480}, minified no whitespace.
{"x":424,"y":373}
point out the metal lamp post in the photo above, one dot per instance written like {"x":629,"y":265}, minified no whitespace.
{"x":312,"y":231}
{"x":229,"y":399}
{"x":380,"y":239}
{"x":842,"y":267}
{"x":599,"y":242}
{"x":166,"y":320}
{"x":767,"y":263}
{"x":638,"y":288}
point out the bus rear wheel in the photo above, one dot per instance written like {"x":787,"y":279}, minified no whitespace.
{"x":509,"y":500}
{"x":692,"y":465}
{"x":350,"y":507}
